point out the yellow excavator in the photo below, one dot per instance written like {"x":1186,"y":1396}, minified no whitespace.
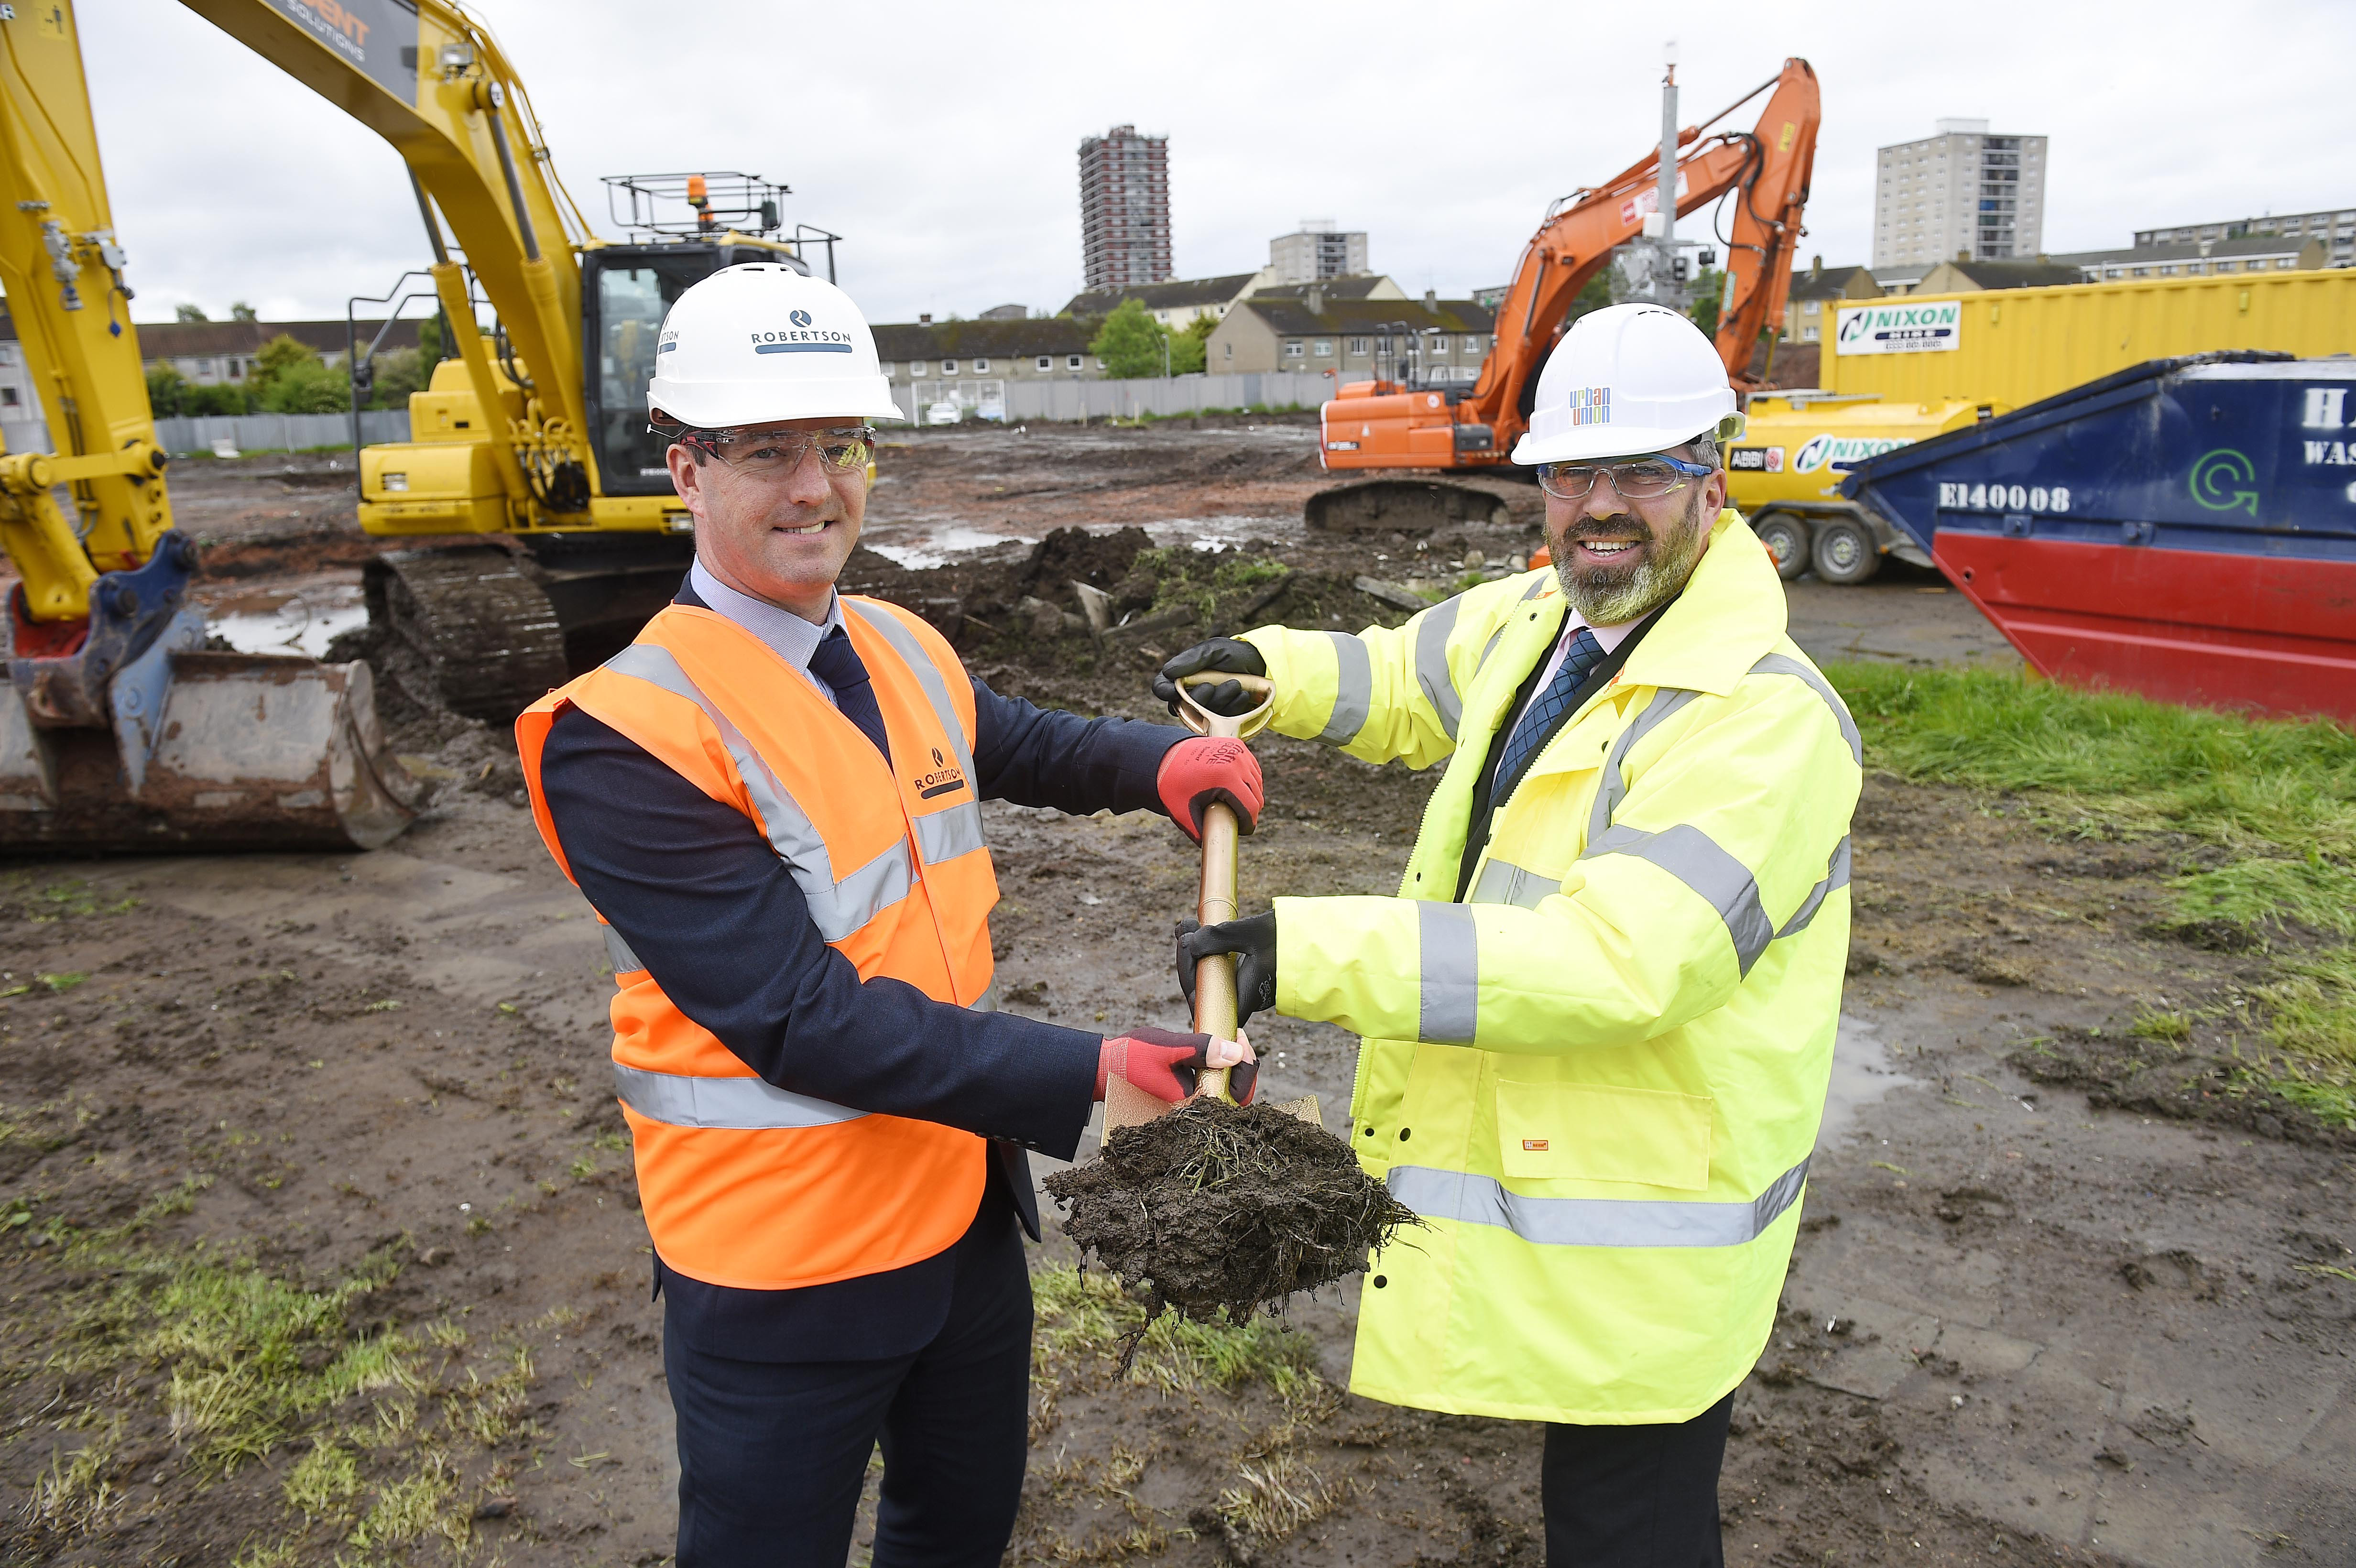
{"x":546,"y":525}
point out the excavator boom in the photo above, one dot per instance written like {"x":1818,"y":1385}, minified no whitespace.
{"x":1384,"y":425}
{"x":117,"y":730}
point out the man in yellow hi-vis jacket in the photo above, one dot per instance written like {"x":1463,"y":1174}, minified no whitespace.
{"x":1598,"y":1017}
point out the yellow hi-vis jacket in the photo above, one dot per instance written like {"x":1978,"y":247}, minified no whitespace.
{"x":1600,"y":1078}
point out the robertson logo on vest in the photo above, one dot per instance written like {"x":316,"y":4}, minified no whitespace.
{"x":941,"y":780}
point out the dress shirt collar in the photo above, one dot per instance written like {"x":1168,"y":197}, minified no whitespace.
{"x":793,"y":638}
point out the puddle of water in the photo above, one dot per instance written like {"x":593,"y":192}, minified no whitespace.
{"x":1222,"y":530}
{"x":303,"y":623}
{"x":1862,"y":1074}
{"x":918,"y":546}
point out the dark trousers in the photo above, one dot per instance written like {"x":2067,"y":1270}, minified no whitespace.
{"x":772,"y":1453}
{"x":1635,"y":1497}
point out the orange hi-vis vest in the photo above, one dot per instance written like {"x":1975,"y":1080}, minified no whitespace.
{"x":746,"y":1184}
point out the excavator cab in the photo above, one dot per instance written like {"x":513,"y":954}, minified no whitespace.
{"x":626,"y":291}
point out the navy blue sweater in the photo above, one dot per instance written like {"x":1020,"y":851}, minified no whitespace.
{"x":697,"y":892}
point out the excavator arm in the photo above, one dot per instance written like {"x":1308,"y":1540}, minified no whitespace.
{"x":62,"y":269}
{"x":1380,"y":425}
{"x":432,"y":81}
{"x":118,"y":728}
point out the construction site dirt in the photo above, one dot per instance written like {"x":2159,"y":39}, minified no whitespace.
{"x":317,"y":1229}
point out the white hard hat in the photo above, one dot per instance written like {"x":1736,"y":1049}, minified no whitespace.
{"x":761,"y":342}
{"x":1626,"y":379}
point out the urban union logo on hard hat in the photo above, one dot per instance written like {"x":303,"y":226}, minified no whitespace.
{"x":801,"y":338}
{"x":1591,"y":405}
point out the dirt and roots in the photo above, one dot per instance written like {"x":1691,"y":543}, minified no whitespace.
{"x":318,"y":1237}
{"x":1218,"y":1208}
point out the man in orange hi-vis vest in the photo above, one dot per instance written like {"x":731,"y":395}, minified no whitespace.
{"x":773,"y":799}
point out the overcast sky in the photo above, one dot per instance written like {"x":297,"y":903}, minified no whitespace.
{"x":941,"y":139}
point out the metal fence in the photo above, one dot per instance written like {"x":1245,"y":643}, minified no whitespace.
{"x":1077,"y":399}
{"x":279,"y":432}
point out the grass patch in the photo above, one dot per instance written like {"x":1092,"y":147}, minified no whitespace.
{"x":2279,"y":794}
{"x":2290,"y":785}
{"x":2312,"y":1008}
{"x":1088,"y":1315}
{"x":2314,"y":893}
{"x":250,"y":1355}
{"x":242,"y":1364}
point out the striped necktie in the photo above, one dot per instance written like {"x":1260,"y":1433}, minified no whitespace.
{"x":1544,"y":716}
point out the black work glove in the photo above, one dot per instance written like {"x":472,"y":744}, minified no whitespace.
{"x":1253,"y":941}
{"x":1227,"y":655}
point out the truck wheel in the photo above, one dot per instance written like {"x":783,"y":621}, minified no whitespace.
{"x":1846,"y":552}
{"x":1786,"y":538}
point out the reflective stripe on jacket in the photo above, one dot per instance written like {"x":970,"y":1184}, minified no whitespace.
{"x":744,"y":1183}
{"x":1599,"y":1078}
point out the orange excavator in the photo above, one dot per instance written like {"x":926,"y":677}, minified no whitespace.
{"x":1391,"y":424}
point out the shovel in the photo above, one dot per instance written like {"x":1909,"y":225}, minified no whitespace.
{"x":1126,"y":1106}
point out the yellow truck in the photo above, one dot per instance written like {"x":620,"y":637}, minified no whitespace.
{"x":1784,"y":474}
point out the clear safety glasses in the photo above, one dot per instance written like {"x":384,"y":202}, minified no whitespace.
{"x":1635,"y":478}
{"x":766,"y":452}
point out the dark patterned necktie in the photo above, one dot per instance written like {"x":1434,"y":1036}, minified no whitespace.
{"x":838,"y":664}
{"x":1544,"y":715}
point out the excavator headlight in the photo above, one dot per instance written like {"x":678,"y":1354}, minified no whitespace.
{"x":391,"y":482}
{"x":457,"y":60}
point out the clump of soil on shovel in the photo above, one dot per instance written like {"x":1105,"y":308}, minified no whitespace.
{"x":1218,"y":1207}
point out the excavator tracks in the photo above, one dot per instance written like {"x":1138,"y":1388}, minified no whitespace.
{"x":479,"y":620}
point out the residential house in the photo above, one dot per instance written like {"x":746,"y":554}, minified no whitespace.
{"x":1962,"y":277}
{"x":210,"y":353}
{"x":1353,"y":335}
{"x":2337,"y":226}
{"x":2201,"y":258}
{"x":1809,"y":307}
{"x":1175,"y":304}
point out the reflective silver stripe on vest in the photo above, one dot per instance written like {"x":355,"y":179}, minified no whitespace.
{"x":1450,"y":964}
{"x":1431,"y":662}
{"x":1503,"y":883}
{"x":1592,"y":1221}
{"x":946,"y":835}
{"x":1613,"y":789}
{"x":987,"y":1001}
{"x":837,"y":908}
{"x":1353,"y":691}
{"x":1694,"y":858}
{"x":738,"y":1103}
{"x":1837,"y":876}
{"x":1784,"y":664}
{"x":928,"y":675}
{"x":618,"y":953}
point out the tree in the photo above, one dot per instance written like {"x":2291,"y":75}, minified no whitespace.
{"x":399,"y":372}
{"x":289,"y":377}
{"x":429,"y":341}
{"x":168,"y":391}
{"x":241,"y":311}
{"x":1709,"y":290}
{"x":1190,"y":346}
{"x":1130,"y":343}
{"x":1594,"y":297}
{"x":224,"y":398}
{"x":189,"y":313}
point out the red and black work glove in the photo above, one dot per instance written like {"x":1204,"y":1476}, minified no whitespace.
{"x":1203,"y":770}
{"x":1227,"y":655}
{"x":1167,"y":1065}
{"x":1253,"y":941}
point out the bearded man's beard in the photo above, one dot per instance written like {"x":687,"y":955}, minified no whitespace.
{"x":1646,"y":577}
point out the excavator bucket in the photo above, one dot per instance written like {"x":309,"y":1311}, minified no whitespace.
{"x":204,"y":752}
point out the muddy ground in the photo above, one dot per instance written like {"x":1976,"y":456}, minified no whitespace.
{"x":317,"y":1239}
